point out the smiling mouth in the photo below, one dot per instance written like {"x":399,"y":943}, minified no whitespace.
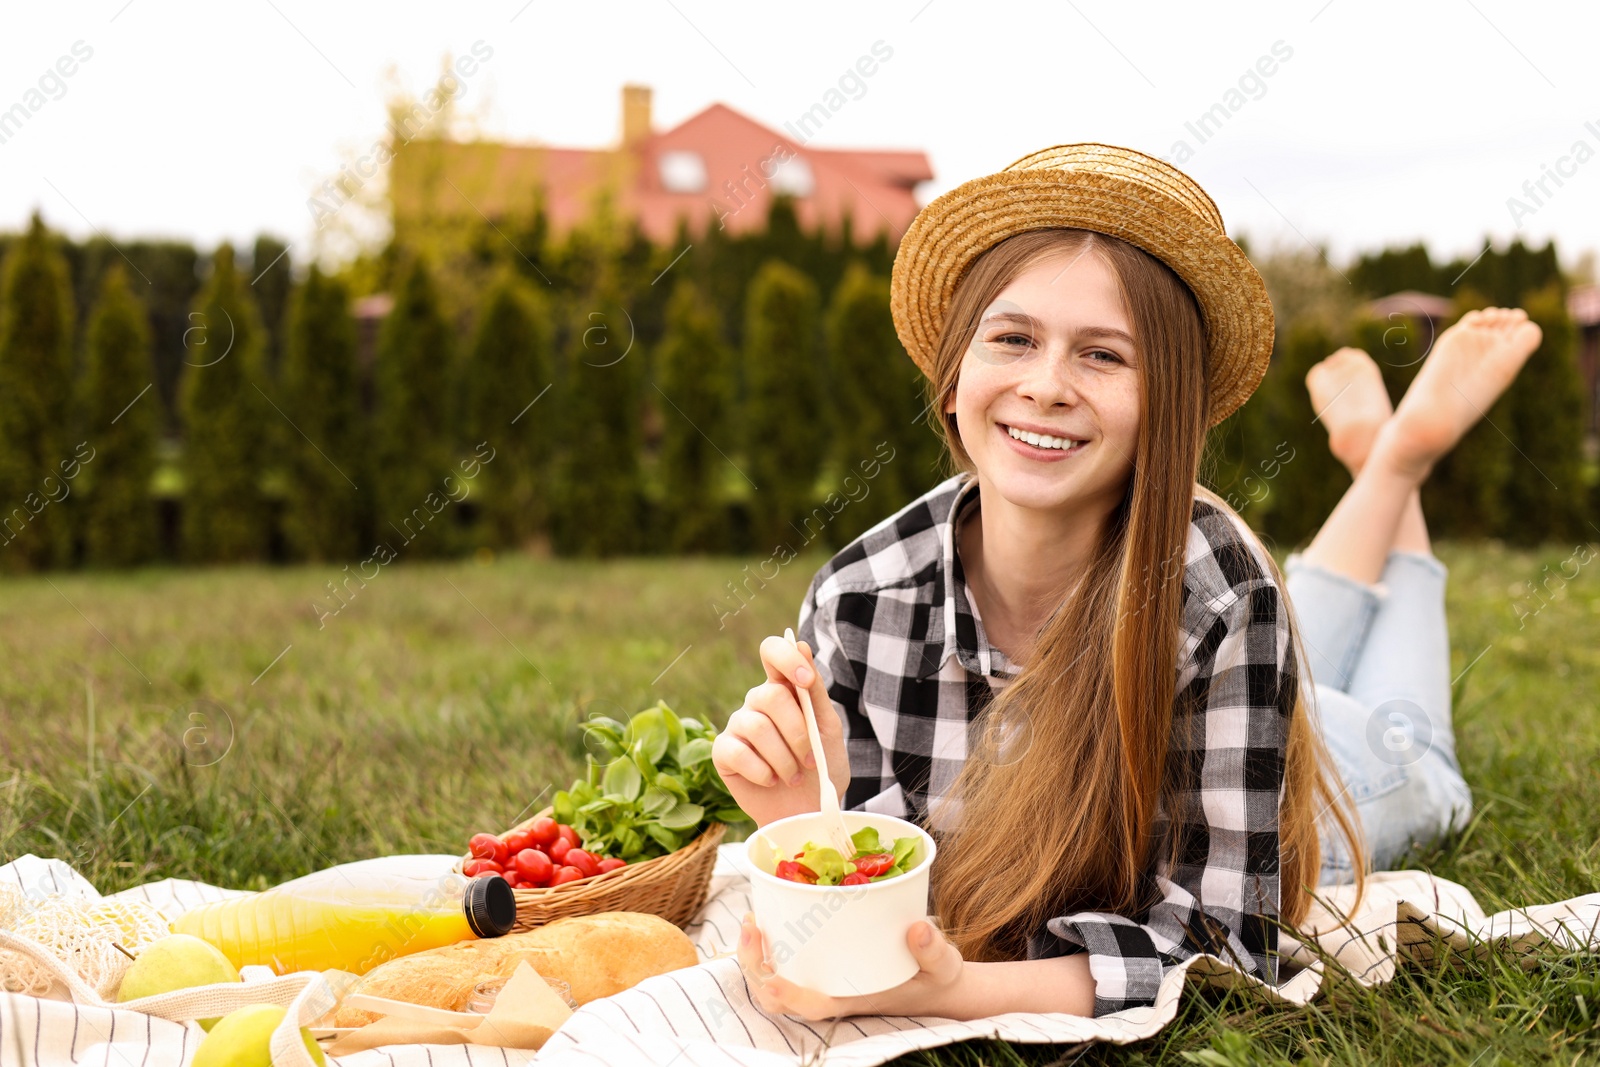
{"x":1042,"y":441}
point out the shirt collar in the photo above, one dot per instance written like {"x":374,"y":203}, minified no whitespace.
{"x":955,"y":625}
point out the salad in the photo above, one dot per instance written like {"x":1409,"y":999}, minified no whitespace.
{"x":872,"y":861}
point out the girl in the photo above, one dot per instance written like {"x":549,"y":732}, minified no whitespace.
{"x":1074,"y":665}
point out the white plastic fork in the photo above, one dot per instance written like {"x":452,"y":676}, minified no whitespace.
{"x":828,"y":799}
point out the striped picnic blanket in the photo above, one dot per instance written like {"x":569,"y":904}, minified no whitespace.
{"x":704,"y":1014}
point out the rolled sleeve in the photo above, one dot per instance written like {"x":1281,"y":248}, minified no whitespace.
{"x":1217,"y":890}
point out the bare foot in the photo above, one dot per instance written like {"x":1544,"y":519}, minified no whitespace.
{"x":1351,"y":402}
{"x":1471,"y":364}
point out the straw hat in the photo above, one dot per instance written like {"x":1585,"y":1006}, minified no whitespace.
{"x":1117,"y":191}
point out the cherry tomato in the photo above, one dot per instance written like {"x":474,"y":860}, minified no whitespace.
{"x":874,"y":864}
{"x":570,"y":834}
{"x":483,"y":846}
{"x":512,"y":879}
{"x":586,"y":862}
{"x":855,"y":878}
{"x":611,"y":863}
{"x":796,"y":872}
{"x":474,"y":867}
{"x":564,"y":875}
{"x":542,"y":832}
{"x":558,"y":850}
{"x":532,"y":866}
{"x":516,"y":841}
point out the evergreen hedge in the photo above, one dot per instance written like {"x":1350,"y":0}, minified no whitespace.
{"x":693,"y":372}
{"x":122,"y":419}
{"x":226,"y":427}
{"x":504,"y":379}
{"x":36,"y":375}
{"x":413,"y":425}
{"x":788,"y":410}
{"x":327,"y":511}
{"x":878,"y":408}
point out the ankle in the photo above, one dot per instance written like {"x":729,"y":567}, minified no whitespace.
{"x":1397,"y":458}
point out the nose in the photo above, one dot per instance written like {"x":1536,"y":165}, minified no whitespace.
{"x":1049,"y":381}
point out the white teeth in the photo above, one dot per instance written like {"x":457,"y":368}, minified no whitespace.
{"x":1040,"y":440}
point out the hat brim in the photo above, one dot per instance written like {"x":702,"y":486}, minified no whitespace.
{"x":957,"y":227}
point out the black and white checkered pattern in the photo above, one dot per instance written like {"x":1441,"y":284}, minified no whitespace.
{"x":901,"y":648}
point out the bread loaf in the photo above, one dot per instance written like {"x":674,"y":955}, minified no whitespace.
{"x":597,"y":955}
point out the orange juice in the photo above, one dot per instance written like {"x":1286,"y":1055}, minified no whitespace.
{"x":355,"y":916}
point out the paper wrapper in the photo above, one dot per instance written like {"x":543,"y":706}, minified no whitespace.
{"x":524,"y":1015}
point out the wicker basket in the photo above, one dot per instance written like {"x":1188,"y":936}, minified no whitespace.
{"x":673,"y":886}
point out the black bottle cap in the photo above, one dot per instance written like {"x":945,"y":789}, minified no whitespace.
{"x":491,"y":906}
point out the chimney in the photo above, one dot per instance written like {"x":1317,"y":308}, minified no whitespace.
{"x":635,"y":113}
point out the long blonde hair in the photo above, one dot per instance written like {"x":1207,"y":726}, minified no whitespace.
{"x":1111,"y":646}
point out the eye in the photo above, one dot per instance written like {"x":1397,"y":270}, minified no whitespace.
{"x":1013,"y":339}
{"x":1101,"y":355}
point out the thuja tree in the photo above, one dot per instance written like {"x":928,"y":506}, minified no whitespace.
{"x":323,"y":517}
{"x":503,"y":381}
{"x":270,"y":275}
{"x":785,"y":430}
{"x":1544,"y":495}
{"x":225,"y":413}
{"x":36,"y":318}
{"x":596,"y":492}
{"x":122,"y":416}
{"x":693,"y":368}
{"x":412,"y":424}
{"x":883,"y":452}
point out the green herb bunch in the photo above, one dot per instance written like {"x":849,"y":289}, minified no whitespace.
{"x":656,"y":791}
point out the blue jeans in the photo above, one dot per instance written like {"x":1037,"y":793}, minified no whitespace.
{"x":1379,"y":658}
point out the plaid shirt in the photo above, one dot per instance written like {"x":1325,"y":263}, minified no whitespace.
{"x":899,"y":644}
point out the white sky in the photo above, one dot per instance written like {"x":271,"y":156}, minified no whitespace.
{"x":1391,"y":121}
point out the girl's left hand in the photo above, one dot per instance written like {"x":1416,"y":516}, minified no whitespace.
{"x":932,"y":991}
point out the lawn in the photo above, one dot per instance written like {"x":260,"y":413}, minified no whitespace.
{"x":227,"y":725}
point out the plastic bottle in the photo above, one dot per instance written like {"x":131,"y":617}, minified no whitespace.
{"x":355,"y":916}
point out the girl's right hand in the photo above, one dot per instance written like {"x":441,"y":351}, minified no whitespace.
{"x":764,"y":755}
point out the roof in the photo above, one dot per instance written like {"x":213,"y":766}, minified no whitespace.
{"x":1583,"y":304}
{"x":1413,"y":303}
{"x":740,"y":158}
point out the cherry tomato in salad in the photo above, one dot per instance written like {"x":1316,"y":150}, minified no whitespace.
{"x":564,"y":875}
{"x":611,"y":863}
{"x":855,"y":878}
{"x":796,"y":872}
{"x":874,"y":864}
{"x":542,"y":832}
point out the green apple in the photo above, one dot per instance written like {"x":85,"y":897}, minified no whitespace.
{"x":177,"y":961}
{"x":243,"y":1038}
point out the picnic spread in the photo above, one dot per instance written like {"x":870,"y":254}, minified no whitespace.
{"x":601,"y":931}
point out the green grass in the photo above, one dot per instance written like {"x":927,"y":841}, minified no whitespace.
{"x":444,"y":700}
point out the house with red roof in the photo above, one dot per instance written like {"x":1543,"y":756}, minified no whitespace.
{"x":716,"y":168}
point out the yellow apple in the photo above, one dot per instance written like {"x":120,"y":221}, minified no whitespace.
{"x":243,"y":1038}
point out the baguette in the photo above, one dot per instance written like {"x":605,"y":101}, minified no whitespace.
{"x":597,"y":955}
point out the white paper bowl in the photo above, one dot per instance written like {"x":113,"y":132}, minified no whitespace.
{"x":846,"y":940}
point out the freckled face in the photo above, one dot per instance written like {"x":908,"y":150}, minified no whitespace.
{"x":1048,"y":399}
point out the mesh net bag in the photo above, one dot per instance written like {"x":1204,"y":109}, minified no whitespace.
{"x":82,"y":934}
